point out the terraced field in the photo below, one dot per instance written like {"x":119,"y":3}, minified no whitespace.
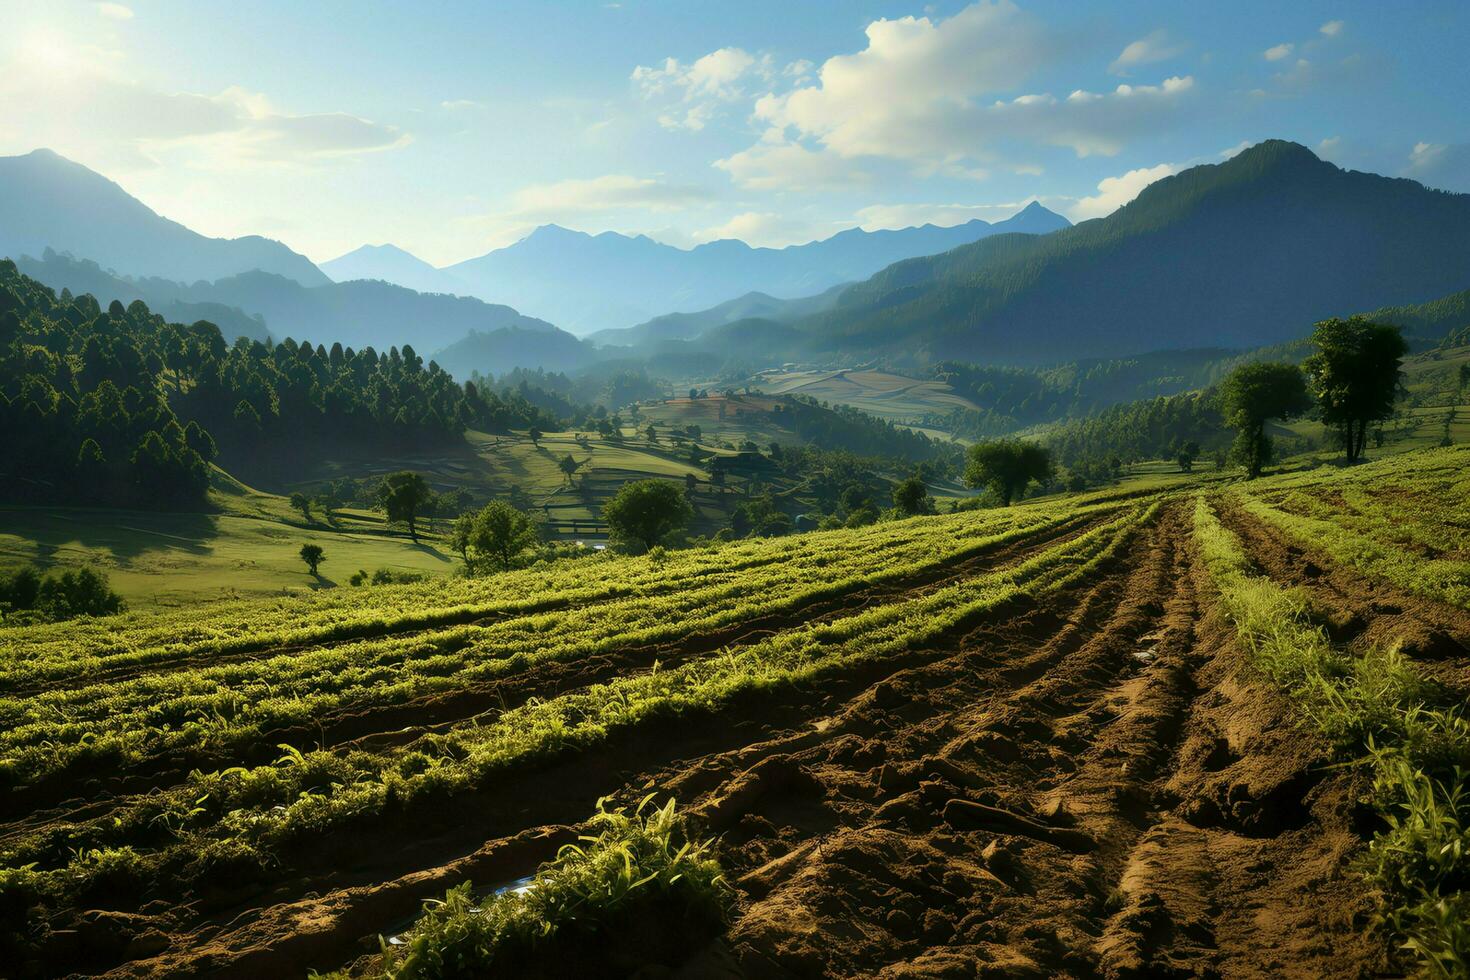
{"x":1050,"y":740}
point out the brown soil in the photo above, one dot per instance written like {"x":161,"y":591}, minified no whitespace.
{"x":1361,"y":611}
{"x":1086,"y":785}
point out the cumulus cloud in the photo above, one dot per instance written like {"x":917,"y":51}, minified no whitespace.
{"x":1442,"y":165}
{"x":115,"y":11}
{"x":697,"y":90}
{"x":1278,"y":52}
{"x":1114,"y":192}
{"x":610,"y":192}
{"x":1147,"y":50}
{"x":1331,"y":29}
{"x":778,"y":165}
{"x":924,"y":91}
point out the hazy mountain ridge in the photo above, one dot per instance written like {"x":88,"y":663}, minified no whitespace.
{"x":1239,"y":254}
{"x":359,"y":314}
{"x":689,"y":326}
{"x":48,"y":201}
{"x":390,"y":263}
{"x":588,"y":282}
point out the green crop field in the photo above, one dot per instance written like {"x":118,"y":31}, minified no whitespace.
{"x":886,"y":395}
{"x":337,"y":755}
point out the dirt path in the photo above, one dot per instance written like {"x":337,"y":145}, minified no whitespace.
{"x":1082,"y":786}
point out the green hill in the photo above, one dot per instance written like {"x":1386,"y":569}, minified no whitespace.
{"x":1236,"y":254}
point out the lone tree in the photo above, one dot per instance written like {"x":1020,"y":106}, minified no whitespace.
{"x":403,"y":495}
{"x":535,"y":434}
{"x":302,"y":502}
{"x":313,"y":555}
{"x":647,"y":510}
{"x":1251,"y":396}
{"x":1355,"y":376}
{"x":1186,"y":456}
{"x":911,"y":498}
{"x":1006,"y":466}
{"x":568,"y":467}
{"x":500,"y":532}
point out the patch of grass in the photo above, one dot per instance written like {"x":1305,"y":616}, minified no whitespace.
{"x":1378,"y":712}
{"x":638,"y":891}
{"x":1401,"y":519}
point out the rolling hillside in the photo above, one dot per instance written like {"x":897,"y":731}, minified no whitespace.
{"x":1238,"y":254}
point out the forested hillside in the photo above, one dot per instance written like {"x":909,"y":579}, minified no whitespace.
{"x":1237,"y":254}
{"x":119,"y":406}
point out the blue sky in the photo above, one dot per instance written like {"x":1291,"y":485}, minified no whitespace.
{"x":451,"y":128}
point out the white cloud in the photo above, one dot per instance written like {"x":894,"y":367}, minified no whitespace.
{"x":453,"y":104}
{"x":86,"y":108}
{"x":1235,"y":150}
{"x":610,"y":192}
{"x":1147,"y":50}
{"x":923,"y":91}
{"x":115,"y":11}
{"x":1114,"y":192}
{"x":1442,"y":165}
{"x":698,"y":89}
{"x":782,"y":166}
{"x":1278,"y":52}
{"x":1332,"y":28}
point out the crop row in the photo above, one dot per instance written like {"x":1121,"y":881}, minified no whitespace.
{"x":1381,"y":714}
{"x":222,"y":709}
{"x":80,"y":648}
{"x":221,"y":822}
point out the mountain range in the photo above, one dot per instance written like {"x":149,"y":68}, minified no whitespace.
{"x":48,"y":201}
{"x":1239,"y":254}
{"x":360,"y":314}
{"x":584,"y":282}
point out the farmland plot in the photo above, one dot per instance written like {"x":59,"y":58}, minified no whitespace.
{"x":1038,"y":741}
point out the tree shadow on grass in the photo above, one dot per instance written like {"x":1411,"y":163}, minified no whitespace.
{"x":125,"y":533}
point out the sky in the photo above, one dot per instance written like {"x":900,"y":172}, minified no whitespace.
{"x":451,"y":128}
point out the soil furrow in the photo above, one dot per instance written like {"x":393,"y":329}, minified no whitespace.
{"x":1359,"y":610}
{"x":403,"y":723}
{"x":701,"y":752}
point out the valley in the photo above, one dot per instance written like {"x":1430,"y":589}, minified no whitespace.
{"x":673,"y":491}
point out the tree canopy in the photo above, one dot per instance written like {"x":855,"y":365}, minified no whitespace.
{"x":496,"y":534}
{"x":313,"y":555}
{"x":1356,"y":375}
{"x":1006,"y":466}
{"x":403,"y":497}
{"x":1254,"y":394}
{"x":911,"y":497}
{"x":646,"y":511}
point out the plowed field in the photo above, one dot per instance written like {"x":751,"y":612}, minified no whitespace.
{"x":1026,"y":743}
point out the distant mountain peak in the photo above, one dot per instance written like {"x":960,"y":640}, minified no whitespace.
{"x":47,"y":200}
